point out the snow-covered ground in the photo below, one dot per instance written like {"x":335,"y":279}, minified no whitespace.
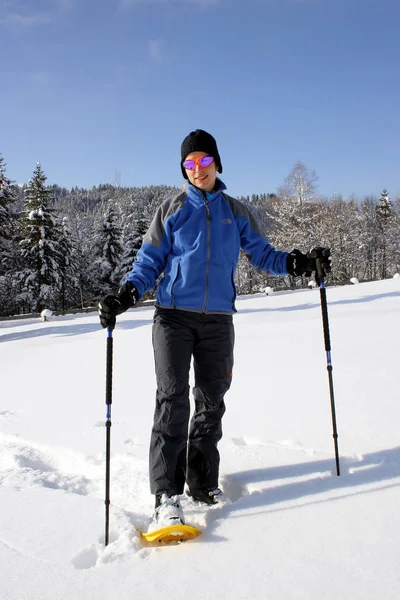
{"x":292,"y":529}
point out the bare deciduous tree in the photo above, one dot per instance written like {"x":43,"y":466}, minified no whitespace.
{"x":299,"y":184}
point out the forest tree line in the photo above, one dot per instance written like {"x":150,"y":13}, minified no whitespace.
{"x":64,"y":249}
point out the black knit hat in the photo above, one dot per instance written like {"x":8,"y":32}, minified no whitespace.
{"x":200,"y":141}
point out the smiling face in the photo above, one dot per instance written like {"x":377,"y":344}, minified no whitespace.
{"x":202,"y":177}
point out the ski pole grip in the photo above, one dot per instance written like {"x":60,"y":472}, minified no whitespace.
{"x":318,"y":264}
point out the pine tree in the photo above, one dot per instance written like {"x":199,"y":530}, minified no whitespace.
{"x":132,"y":243}
{"x":67,"y":267}
{"x":383,"y":214}
{"x":384,"y":207}
{"x":39,"y":246}
{"x":108,"y":252}
{"x":84,"y":256}
{"x":7,"y":198}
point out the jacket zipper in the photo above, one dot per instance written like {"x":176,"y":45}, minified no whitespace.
{"x":208,"y":250}
{"x":172,"y":287}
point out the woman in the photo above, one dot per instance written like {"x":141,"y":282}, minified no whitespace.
{"x":194,"y":240}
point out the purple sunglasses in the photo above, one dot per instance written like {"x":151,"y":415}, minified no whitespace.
{"x":202,"y":161}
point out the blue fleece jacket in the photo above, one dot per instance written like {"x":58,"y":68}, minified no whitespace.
{"x":194,"y":240}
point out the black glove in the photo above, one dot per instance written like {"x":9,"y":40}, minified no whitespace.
{"x":299,"y":264}
{"x":304,"y":264}
{"x":111,"y":306}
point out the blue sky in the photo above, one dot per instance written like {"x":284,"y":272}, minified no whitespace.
{"x":105,"y":90}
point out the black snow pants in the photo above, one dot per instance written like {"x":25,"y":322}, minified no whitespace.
{"x":179,"y":453}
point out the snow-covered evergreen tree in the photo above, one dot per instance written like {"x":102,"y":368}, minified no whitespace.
{"x":67,"y":267}
{"x":108,"y":251}
{"x":132,"y":242}
{"x":7,"y":198}
{"x":84,"y":255}
{"x":39,"y":246}
{"x":383,"y":214}
{"x":384,"y":207}
{"x":395,"y":236}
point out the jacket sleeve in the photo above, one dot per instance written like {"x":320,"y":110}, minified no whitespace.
{"x":259,"y":251}
{"x":152,"y":256}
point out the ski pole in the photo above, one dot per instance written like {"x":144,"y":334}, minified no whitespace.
{"x":324,"y":308}
{"x":109,"y":372}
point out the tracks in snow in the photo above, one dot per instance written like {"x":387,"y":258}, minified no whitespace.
{"x":278,"y":484}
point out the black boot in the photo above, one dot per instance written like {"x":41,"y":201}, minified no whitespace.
{"x":205,"y":496}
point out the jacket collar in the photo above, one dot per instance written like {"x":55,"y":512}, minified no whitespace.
{"x":198,"y":195}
